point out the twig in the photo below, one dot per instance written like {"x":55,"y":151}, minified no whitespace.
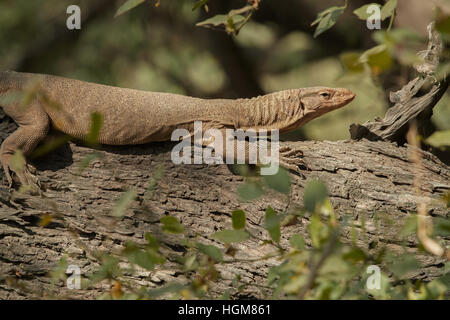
{"x":424,"y":225}
{"x":408,"y":105}
{"x":328,"y":250}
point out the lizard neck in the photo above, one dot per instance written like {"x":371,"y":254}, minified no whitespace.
{"x":6,"y":82}
{"x":279,"y":110}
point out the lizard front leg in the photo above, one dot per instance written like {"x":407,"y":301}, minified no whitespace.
{"x":292,"y":159}
{"x":242,"y":151}
{"x":33,"y":127}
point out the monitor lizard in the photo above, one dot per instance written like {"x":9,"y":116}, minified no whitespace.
{"x":133,"y":117}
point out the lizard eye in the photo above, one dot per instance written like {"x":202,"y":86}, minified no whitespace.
{"x":325,"y":95}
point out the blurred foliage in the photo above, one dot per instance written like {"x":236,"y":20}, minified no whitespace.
{"x":159,"y":48}
{"x":316,"y":266}
{"x":155,"y":45}
{"x":439,"y":139}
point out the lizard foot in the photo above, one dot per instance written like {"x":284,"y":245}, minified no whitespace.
{"x":27,"y":178}
{"x":292,"y":159}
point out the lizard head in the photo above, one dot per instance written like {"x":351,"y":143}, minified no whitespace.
{"x":320,"y":100}
{"x":316,"y":101}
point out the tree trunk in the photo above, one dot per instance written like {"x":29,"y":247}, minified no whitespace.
{"x":369,"y":181}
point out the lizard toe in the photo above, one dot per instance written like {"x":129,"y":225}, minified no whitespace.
{"x":289,"y":152}
{"x":29,"y":182}
{"x":292,"y":157}
{"x":295,"y":167}
{"x":8,"y":175}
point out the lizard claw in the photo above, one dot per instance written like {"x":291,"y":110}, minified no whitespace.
{"x":288,"y":151}
{"x":291,"y":159}
{"x":26,"y":176}
{"x":8,"y":175}
{"x":29,"y":180}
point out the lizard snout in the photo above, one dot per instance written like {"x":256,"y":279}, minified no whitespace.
{"x":347,"y":95}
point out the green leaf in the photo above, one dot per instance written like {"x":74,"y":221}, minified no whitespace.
{"x":153,"y":243}
{"x":230,"y":236}
{"x":146,"y":259}
{"x":351,"y":63}
{"x":404,"y":264}
{"x":11,"y":97}
{"x":388,"y":9}
{"x":158,"y":173}
{"x":446,"y":199}
{"x":336,"y":268}
{"x":238,"y":218}
{"x":281,"y":181}
{"x":378,"y":58}
{"x":191,"y":263}
{"x":230,"y":27}
{"x":362,"y":13}
{"x":354,"y":255}
{"x":225,"y":296}
{"x":295,"y":283}
{"x":436,"y":290}
{"x":220,"y":20}
{"x":173,"y":287}
{"x":199,"y":4}
{"x":249,"y":191}
{"x":211,"y":251}
{"x":315,"y":195}
{"x":410,"y":226}
{"x":86,"y":161}
{"x":297,"y":242}
{"x":130,"y":4}
{"x":443,"y":24}
{"x":439,"y":139}
{"x":94,"y":132}
{"x":59,"y":273}
{"x":34,"y":92}
{"x":124,"y":202}
{"x":18,"y":161}
{"x":441,"y":227}
{"x":272,"y":224}
{"x":109,"y":269}
{"x":50,"y":146}
{"x":315,"y":230}
{"x":442,"y":70}
{"x":171,"y":225}
{"x":327,"y":19}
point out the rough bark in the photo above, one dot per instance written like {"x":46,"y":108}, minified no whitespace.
{"x":369,"y":181}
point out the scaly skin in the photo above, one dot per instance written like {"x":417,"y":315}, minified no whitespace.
{"x":137,"y":117}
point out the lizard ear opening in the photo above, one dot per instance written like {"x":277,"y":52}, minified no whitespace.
{"x":301,"y":104}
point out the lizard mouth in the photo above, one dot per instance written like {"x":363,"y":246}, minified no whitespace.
{"x":351,"y":97}
{"x":345,"y":96}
